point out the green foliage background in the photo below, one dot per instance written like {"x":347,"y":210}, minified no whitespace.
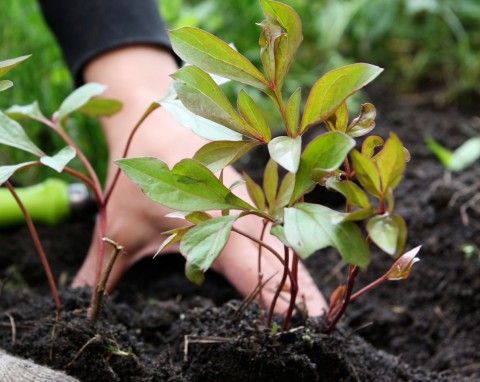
{"x":423,"y":44}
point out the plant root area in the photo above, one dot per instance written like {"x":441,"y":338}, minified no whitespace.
{"x":157,"y":326}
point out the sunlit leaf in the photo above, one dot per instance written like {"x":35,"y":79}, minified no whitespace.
{"x":5,"y":84}
{"x":270,"y":182}
{"x":286,"y":152}
{"x":13,"y":135}
{"x":364,"y":123}
{"x":255,"y":192}
{"x":292,"y":112}
{"x":402,"y":268}
{"x":326,"y":152}
{"x":202,"y":244}
{"x":310,"y":227}
{"x":60,"y":159}
{"x":201,"y":126}
{"x":25,"y":111}
{"x":253,"y":116}
{"x":333,"y":88}
{"x":370,"y":144}
{"x":101,"y":107}
{"x":354,"y":195}
{"x":220,"y":154}
{"x":7,"y":65}
{"x":366,"y":173}
{"x":79,"y":98}
{"x":202,"y":96}
{"x":390,"y":162}
{"x":189,"y":186}
{"x":283,"y":41}
{"x":213,"y":55}
{"x":7,"y":171}
{"x":384,"y":232}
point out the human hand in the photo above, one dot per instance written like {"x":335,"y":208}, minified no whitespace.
{"x":133,"y":220}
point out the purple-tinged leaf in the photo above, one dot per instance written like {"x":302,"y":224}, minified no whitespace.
{"x":402,"y":268}
{"x":354,"y":195}
{"x":370,"y":144}
{"x":252,"y":115}
{"x":255,"y":192}
{"x":364,"y":123}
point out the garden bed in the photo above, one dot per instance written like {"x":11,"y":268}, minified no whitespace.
{"x":159,"y":327}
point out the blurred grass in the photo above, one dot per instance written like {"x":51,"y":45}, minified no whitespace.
{"x":425,"y":45}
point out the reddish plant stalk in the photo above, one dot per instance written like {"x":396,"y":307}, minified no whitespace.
{"x":293,"y":291}
{"x":280,"y":287}
{"x":38,"y":246}
{"x":259,"y":269}
{"x":352,"y":274}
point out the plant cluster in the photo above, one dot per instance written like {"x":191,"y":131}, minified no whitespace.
{"x":366,"y":177}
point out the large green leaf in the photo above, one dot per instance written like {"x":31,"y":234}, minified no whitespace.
{"x":202,"y":244}
{"x":253,"y":116}
{"x":286,"y":152}
{"x":390,"y":162}
{"x":7,"y":171}
{"x":333,"y":88}
{"x":60,"y":159}
{"x":13,"y":135}
{"x":366,"y":173}
{"x":189,"y":186}
{"x":220,"y":154}
{"x":202,"y":49}
{"x":280,"y":39}
{"x":201,"y":126}
{"x":326,"y":153}
{"x":25,"y":111}
{"x":101,"y":107}
{"x":311,"y":227}
{"x":384,"y":232}
{"x":7,"y":65}
{"x":79,"y":98}
{"x":202,"y":96}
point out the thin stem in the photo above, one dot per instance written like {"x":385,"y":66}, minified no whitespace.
{"x":293,"y":291}
{"x":111,"y":187}
{"x":352,"y":274}
{"x":102,"y":285}
{"x":279,"y":288}
{"x":368,"y":288}
{"x":259,"y":264}
{"x":38,"y":246}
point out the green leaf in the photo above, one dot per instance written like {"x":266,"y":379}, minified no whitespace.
{"x":201,"y":126}
{"x":189,"y":186}
{"x":270,"y":183}
{"x":175,"y":236}
{"x":194,"y":217}
{"x":366,"y":173}
{"x":364,"y":123}
{"x":310,"y":227}
{"x":253,"y":116}
{"x":13,"y":135}
{"x":326,"y":152}
{"x":202,"y":96}
{"x":5,"y":84}
{"x":292,"y":112}
{"x":213,"y":55}
{"x":333,"y":88}
{"x":285,"y":191}
{"x":402,"y":234}
{"x":390,"y":162}
{"x":384,"y":232}
{"x":202,"y":244}
{"x":354,"y":195}
{"x":220,"y":154}
{"x":7,"y":171}
{"x":78,"y":99}
{"x":60,"y":159}
{"x":7,"y":65}
{"x":286,"y":152}
{"x":283,"y":41}
{"x":101,"y":107}
{"x":370,"y":144}
{"x":339,"y":120}
{"x":25,"y":111}
{"x":460,"y":159}
{"x":255,"y":192}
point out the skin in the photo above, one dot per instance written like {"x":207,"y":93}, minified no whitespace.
{"x":136,"y":76}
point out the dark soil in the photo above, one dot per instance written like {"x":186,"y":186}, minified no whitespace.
{"x":159,"y":327}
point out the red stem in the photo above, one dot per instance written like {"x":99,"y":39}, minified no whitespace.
{"x":352,"y":274}
{"x":293,"y":291}
{"x":279,"y":288}
{"x":38,"y":246}
{"x":368,"y":288}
